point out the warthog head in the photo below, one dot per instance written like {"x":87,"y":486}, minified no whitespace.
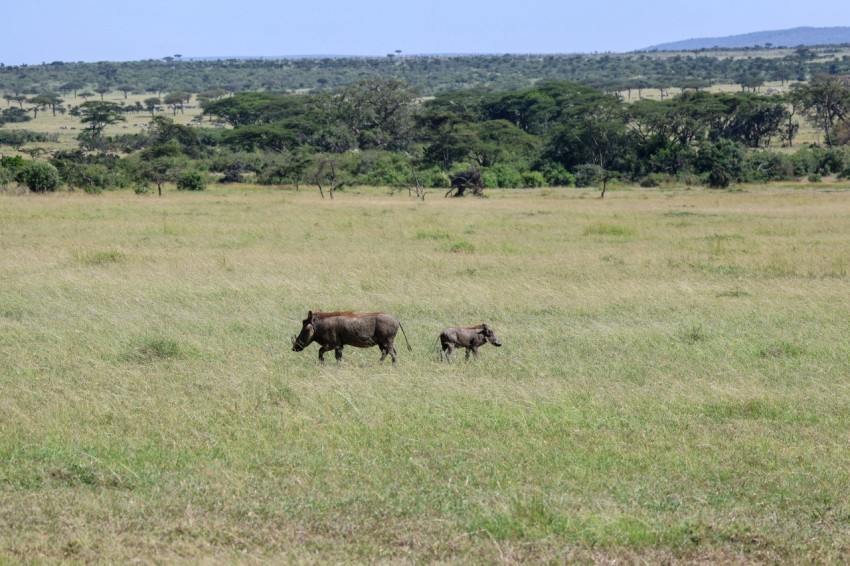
{"x":307,"y":330}
{"x":489,"y":335}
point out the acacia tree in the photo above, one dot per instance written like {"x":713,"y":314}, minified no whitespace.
{"x":97,"y":114}
{"x":593,"y":132}
{"x":823,"y":102}
{"x":175,"y":101}
{"x":102,"y":89}
{"x":151,"y":104}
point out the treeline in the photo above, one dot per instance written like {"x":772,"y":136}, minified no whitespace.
{"x":381,"y":132}
{"x":431,"y":74}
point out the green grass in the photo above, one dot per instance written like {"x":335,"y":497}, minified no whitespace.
{"x":672,"y":385}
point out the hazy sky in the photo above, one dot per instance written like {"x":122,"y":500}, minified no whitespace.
{"x":37,"y":31}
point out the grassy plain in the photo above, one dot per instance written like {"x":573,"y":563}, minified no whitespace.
{"x":673,"y":384}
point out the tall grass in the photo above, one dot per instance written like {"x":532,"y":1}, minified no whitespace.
{"x":672,"y":385}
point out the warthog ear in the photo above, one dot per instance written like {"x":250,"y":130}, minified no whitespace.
{"x":309,"y":315}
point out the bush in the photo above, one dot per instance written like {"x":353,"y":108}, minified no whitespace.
{"x":92,"y":178}
{"x":39,"y":176}
{"x":191,"y":181}
{"x":17,"y":138}
{"x":434,"y":178}
{"x":814,"y":178}
{"x":533,"y":179}
{"x":556,"y":175}
{"x":763,"y":166}
{"x":657,"y":180}
{"x":501,"y":176}
{"x":6,"y":177}
{"x":379,"y":169}
{"x":14,"y":115}
{"x":721,"y":162}
{"x":845,"y":174}
{"x":830,"y":160}
{"x":13,"y":164}
{"x":588,"y":174}
{"x":688,"y":179}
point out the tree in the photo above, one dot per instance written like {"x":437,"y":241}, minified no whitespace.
{"x":97,"y":115}
{"x":378,"y":112}
{"x":72,"y":86}
{"x":823,"y":102}
{"x":126,"y":88}
{"x":102,"y":89}
{"x":326,"y":169}
{"x":157,"y":170}
{"x":175,"y":101}
{"x":48,"y":100}
{"x":151,"y":104}
{"x":594,"y":132}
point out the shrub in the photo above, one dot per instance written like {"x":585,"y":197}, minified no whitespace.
{"x":17,"y":138}
{"x":13,"y":164}
{"x":14,"y":115}
{"x":814,"y":178}
{"x":39,"y":176}
{"x":434,"y":178}
{"x":556,"y":175}
{"x":501,"y":176}
{"x":845,"y":174}
{"x":588,"y":174}
{"x":191,"y":181}
{"x":721,"y":162}
{"x":657,"y":180}
{"x":533,"y":179}
{"x":768,"y":166}
{"x":91,"y":178}
{"x":379,"y":169}
{"x":688,"y":179}
{"x":830,"y":160}
{"x":6,"y":177}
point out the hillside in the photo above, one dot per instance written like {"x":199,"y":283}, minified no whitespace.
{"x":780,"y":38}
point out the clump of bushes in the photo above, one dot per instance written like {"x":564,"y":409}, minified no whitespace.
{"x":38,"y":176}
{"x":657,"y":180}
{"x":191,"y":181}
{"x":588,"y":174}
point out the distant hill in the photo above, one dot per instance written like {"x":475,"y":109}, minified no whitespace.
{"x":780,"y":38}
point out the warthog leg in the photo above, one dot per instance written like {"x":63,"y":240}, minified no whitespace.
{"x":322,"y":351}
{"x":447,"y":351}
{"x":338,"y":354}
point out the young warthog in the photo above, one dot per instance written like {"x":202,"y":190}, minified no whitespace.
{"x":469,"y":337}
{"x":334,"y":330}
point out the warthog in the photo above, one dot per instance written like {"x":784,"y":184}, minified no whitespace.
{"x":334,"y":330}
{"x":469,"y":337}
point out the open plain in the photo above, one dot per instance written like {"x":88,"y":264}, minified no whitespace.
{"x":673,"y":386}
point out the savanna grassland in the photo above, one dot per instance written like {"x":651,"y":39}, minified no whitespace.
{"x":673,"y":386}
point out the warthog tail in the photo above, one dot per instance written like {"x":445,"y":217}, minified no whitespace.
{"x":409,"y":349}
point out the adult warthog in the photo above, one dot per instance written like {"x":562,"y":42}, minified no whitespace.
{"x":335,"y":330}
{"x":469,"y":337}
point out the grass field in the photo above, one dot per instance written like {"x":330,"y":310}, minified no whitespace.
{"x":673,"y":385}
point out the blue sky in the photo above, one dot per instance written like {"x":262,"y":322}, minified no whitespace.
{"x":39,"y":31}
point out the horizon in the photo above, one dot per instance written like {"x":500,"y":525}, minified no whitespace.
{"x":86,"y":31}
